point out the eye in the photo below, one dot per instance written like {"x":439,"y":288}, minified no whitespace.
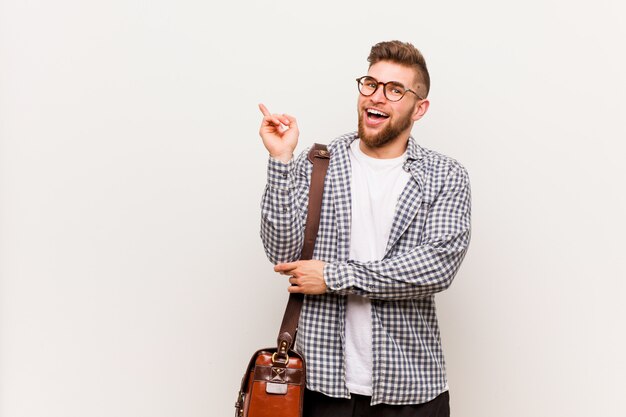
{"x":395,"y":90}
{"x":370,"y":82}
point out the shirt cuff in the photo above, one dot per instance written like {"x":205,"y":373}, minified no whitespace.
{"x":338,"y":277}
{"x":278,"y":173}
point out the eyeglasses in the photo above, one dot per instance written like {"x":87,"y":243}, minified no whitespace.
{"x":393,"y":90}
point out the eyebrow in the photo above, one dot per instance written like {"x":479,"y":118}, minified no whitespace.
{"x":387,"y":82}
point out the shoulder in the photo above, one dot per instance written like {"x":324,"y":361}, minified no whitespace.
{"x":437,"y":173}
{"x":337,"y":147}
{"x":435,"y":164}
{"x":342,"y":143}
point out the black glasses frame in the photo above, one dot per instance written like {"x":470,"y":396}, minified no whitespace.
{"x":360,"y":83}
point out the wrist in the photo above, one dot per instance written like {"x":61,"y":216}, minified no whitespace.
{"x":284,"y":158}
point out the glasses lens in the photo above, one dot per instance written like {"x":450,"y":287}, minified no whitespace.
{"x":367,"y":85}
{"x":394,"y":92}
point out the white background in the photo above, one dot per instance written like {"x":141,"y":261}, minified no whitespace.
{"x":133,"y":281}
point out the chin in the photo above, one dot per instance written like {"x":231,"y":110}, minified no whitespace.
{"x":377,"y":138}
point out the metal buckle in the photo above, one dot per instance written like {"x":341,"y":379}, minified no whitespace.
{"x":275,"y":355}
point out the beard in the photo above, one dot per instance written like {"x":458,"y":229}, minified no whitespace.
{"x":390,"y":132}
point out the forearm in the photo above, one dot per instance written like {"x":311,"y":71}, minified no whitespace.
{"x":283,"y":210}
{"x":422,"y":272}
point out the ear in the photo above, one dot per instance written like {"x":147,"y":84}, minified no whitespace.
{"x":421,"y":107}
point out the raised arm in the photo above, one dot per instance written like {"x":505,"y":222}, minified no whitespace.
{"x":283,"y":207}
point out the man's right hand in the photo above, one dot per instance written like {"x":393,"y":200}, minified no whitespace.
{"x":279,"y":133}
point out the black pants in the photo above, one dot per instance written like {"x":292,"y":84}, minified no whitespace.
{"x":319,"y":405}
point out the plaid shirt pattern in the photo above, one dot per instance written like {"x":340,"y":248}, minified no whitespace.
{"x":429,"y":237}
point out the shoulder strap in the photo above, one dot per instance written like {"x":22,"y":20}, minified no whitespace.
{"x":320,"y":158}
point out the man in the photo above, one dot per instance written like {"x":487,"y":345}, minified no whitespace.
{"x":395,"y":226}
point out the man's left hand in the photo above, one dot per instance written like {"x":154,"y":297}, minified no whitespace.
{"x":306,"y":277}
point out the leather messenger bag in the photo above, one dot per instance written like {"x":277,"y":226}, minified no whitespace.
{"x":274,"y":382}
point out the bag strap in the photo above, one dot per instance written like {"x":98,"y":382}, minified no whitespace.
{"x":320,"y":158}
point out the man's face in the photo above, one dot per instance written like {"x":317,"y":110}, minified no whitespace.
{"x":376,"y":129}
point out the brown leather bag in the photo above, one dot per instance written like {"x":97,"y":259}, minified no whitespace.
{"x":274,"y":382}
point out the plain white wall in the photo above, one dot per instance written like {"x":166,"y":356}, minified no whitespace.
{"x":133,"y":281}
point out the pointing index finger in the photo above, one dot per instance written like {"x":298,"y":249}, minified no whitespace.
{"x":264,"y":110}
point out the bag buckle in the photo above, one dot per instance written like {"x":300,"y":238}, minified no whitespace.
{"x":284,"y":358}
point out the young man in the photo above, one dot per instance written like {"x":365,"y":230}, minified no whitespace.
{"x":395,"y":226}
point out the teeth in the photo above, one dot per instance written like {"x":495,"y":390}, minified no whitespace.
{"x":378,"y":112}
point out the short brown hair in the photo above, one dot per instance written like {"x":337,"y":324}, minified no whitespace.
{"x":402,"y":53}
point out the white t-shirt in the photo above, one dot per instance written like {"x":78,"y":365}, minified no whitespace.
{"x":376,"y":187}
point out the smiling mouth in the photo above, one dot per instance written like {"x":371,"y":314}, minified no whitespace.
{"x":377,"y":115}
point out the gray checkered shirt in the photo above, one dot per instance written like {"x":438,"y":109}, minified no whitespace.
{"x":429,"y":237}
